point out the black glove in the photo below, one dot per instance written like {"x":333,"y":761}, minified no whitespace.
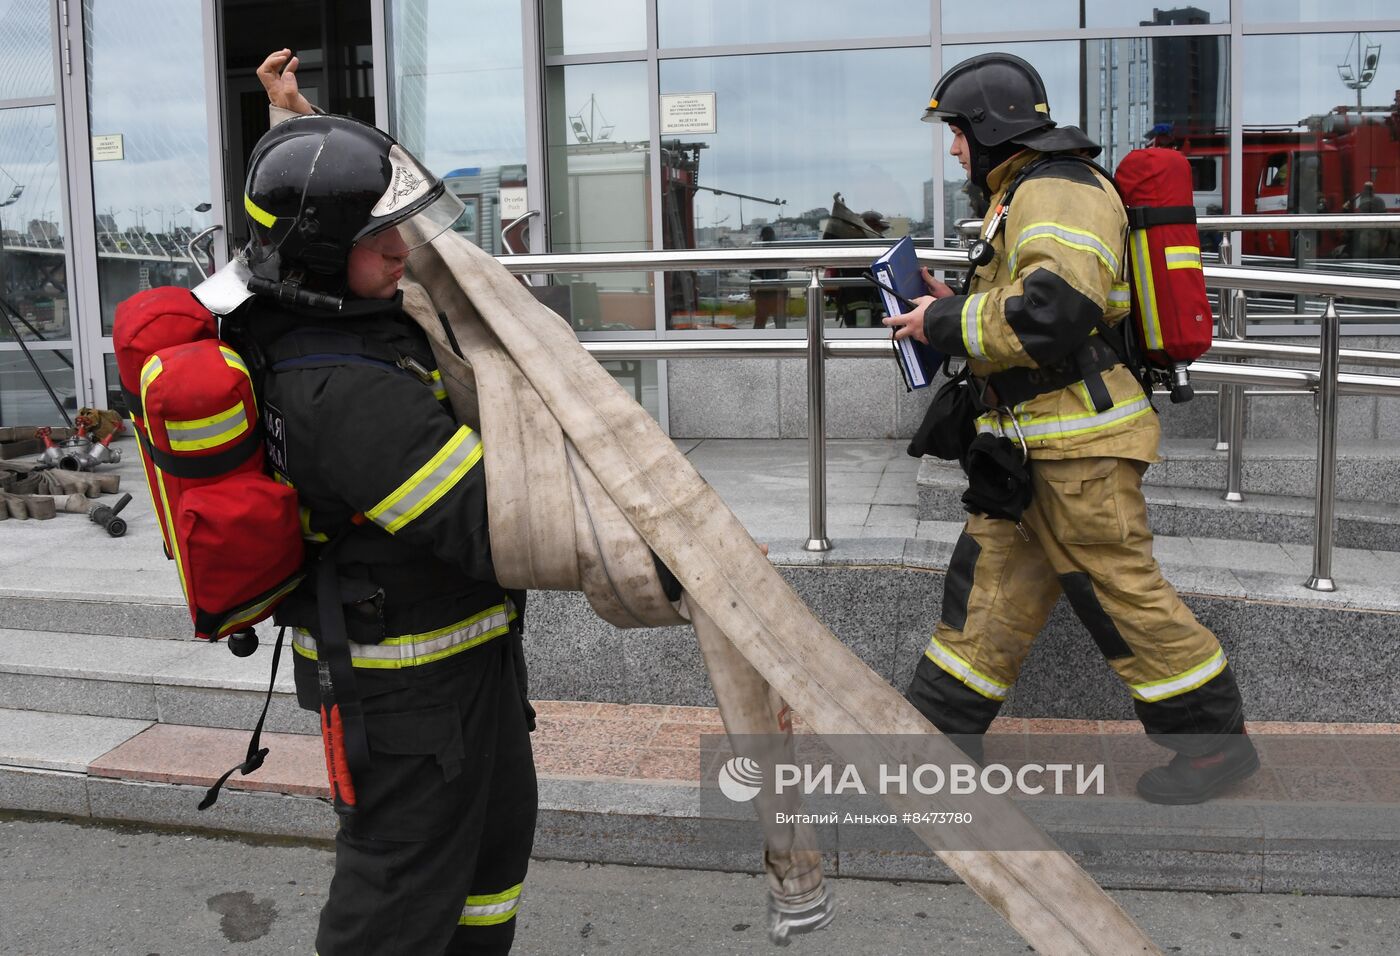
{"x":998,"y":478}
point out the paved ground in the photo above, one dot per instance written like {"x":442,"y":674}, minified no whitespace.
{"x":87,"y":890}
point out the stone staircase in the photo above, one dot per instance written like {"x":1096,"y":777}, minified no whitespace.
{"x":109,"y":711}
{"x":1185,"y":493}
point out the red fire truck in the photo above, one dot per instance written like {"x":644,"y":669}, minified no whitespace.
{"x":1319,"y":166}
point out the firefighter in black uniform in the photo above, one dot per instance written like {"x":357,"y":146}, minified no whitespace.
{"x":438,"y":812}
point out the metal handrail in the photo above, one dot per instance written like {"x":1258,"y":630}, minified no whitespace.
{"x":969,"y":228}
{"x":818,"y":255}
{"x":1327,"y":381}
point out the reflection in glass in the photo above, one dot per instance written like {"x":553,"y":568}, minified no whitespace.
{"x":1146,"y":13}
{"x":150,"y":160}
{"x":26,"y":49}
{"x":1142,"y":91}
{"x":682,"y":23}
{"x":972,"y":16}
{"x":459,"y":106}
{"x":33,"y":277}
{"x":1312,"y":11}
{"x":599,"y":187}
{"x":594,"y":26}
{"x":23,"y":398}
{"x":1315,"y":136}
{"x":793,"y":131}
{"x":639,"y":378}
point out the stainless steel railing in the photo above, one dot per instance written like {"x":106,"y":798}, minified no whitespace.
{"x":1326,"y":382}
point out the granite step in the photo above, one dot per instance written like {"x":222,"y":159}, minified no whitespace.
{"x":1367,"y":471}
{"x":1191,"y":511}
{"x":629,"y":785}
{"x":131,"y":678}
{"x":879,"y":596}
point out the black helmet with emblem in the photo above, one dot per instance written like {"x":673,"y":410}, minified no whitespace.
{"x":998,"y":101}
{"x":319,"y":184}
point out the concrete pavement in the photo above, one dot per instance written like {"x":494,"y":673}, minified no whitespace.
{"x":70,"y":890}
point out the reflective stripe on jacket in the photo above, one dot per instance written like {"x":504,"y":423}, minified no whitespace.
{"x":411,"y":650}
{"x":1058,"y":268}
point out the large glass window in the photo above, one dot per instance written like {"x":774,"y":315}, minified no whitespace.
{"x":24,"y":398}
{"x":682,"y":23}
{"x":1321,"y":137}
{"x":794,"y":146}
{"x":975,"y":16}
{"x":26,"y":44}
{"x":33,"y":277}
{"x":594,"y":26}
{"x":598,"y":138}
{"x":150,"y":143}
{"x":1313,"y":11}
{"x":459,"y":106}
{"x":1127,"y":93}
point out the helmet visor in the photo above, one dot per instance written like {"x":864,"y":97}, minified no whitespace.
{"x":937,"y":114}
{"x":426,"y":224}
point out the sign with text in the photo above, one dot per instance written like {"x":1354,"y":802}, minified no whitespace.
{"x":513,"y":203}
{"x":687,"y":113}
{"x":107,"y":147}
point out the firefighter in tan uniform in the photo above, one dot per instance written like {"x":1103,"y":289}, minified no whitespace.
{"x":1049,"y":283}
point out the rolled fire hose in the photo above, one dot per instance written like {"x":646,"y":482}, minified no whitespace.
{"x":602,"y":475}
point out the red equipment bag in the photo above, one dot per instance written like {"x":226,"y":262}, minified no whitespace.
{"x":1171,"y":311}
{"x":233,"y":531}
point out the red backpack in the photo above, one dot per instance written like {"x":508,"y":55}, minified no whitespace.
{"x":233,"y":531}
{"x":1171,"y":313}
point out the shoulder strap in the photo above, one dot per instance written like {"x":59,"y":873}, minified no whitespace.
{"x":325,"y":348}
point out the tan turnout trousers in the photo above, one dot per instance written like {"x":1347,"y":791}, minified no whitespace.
{"x":1085,"y":535}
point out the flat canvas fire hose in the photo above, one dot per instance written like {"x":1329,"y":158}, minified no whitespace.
{"x":572,"y":459}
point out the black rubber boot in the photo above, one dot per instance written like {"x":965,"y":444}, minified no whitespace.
{"x":1189,"y":779}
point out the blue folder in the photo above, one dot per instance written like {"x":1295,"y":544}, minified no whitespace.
{"x":899,"y":270}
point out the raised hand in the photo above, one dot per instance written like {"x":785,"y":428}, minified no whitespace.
{"x":278,"y":75}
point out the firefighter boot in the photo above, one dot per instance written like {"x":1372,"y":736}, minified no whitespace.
{"x":1189,"y":779}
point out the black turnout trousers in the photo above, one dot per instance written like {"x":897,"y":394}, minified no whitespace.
{"x":433,"y":859}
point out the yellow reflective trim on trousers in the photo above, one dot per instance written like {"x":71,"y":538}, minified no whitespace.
{"x":412,"y":650}
{"x":198,"y":434}
{"x":1188,"y":680}
{"x":491,"y":910}
{"x":1146,"y":290}
{"x":1043,"y":427}
{"x":260,"y":215}
{"x":940,"y":654}
{"x":972,"y":325}
{"x":429,"y":483}
{"x":1065,"y":236}
{"x":1183,"y":257}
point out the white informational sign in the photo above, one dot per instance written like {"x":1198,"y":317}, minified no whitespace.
{"x":513,"y":203}
{"x":687,"y":113}
{"x":107,"y":148}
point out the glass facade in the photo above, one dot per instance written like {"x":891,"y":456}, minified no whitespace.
{"x":36,"y":314}
{"x":682,"y":23}
{"x":150,"y":155}
{"x":458,"y":103}
{"x":971,"y":16}
{"x":625,"y":125}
